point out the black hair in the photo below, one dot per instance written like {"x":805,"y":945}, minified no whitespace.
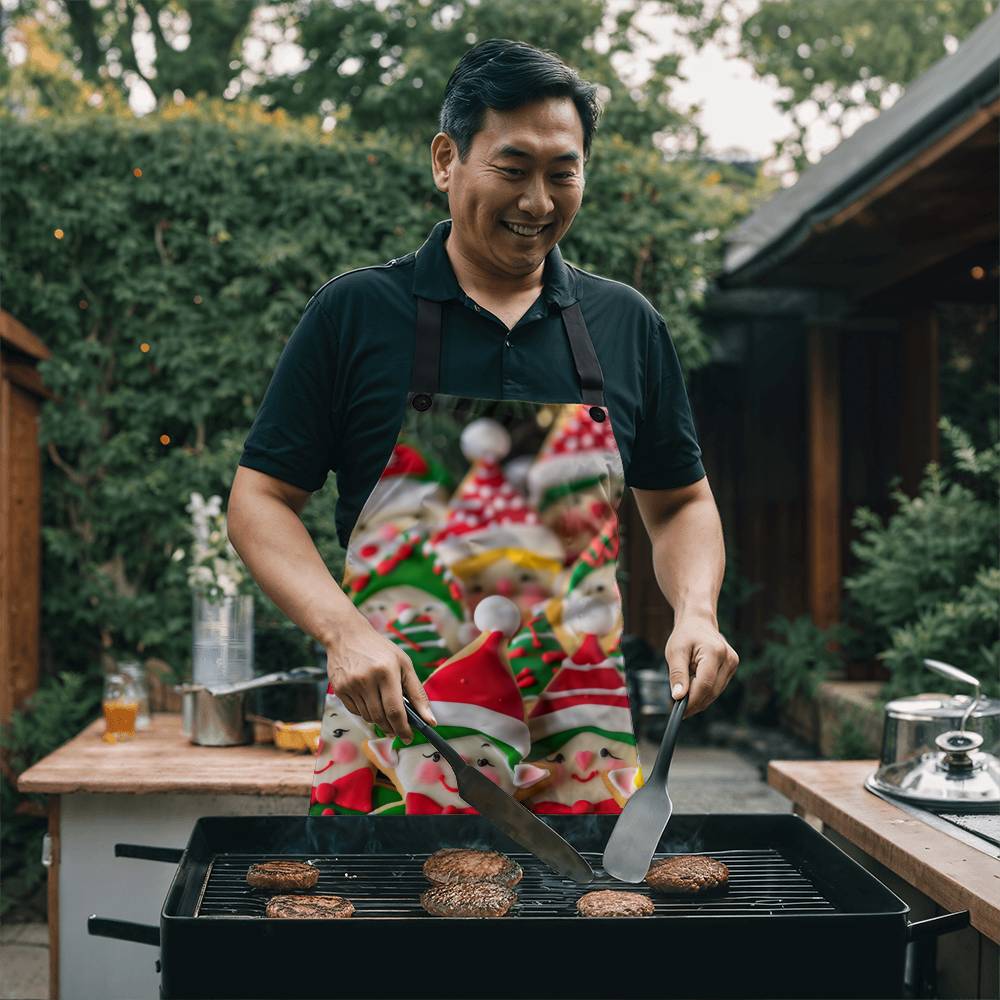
{"x":503,"y":75}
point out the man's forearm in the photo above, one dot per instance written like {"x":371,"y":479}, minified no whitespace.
{"x":689,"y":558}
{"x":277,"y":549}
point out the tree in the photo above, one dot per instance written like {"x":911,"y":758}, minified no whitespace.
{"x":381,"y":65}
{"x":839,"y":62}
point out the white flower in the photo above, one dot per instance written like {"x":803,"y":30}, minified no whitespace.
{"x":178,"y":555}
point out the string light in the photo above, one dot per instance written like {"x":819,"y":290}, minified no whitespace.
{"x":144,"y":347}
{"x":83,"y":303}
{"x":136,"y":171}
{"x":197,"y":300}
{"x":978,"y":273}
{"x":164,"y":439}
{"x":58,"y":234}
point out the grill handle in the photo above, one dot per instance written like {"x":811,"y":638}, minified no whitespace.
{"x":123,"y":930}
{"x":935,"y":926}
{"x":141,"y":851}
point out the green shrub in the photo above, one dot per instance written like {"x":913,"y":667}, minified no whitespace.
{"x":799,"y":659}
{"x":928,"y":583}
{"x":61,"y":707}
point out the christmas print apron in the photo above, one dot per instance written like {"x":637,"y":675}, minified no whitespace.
{"x":501,"y":590}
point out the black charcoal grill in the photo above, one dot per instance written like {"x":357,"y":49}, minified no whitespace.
{"x":799,"y":918}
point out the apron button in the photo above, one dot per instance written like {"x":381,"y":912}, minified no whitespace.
{"x":421,"y":402}
{"x":596,"y":413}
{"x":506,"y":343}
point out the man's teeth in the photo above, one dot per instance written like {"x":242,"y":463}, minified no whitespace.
{"x":524,"y":230}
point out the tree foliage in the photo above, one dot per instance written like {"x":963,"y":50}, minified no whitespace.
{"x":837,"y":62}
{"x":376,"y":65}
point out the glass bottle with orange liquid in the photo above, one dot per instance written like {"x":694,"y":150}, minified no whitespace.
{"x":121,"y":706}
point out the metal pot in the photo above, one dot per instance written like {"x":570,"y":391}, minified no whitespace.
{"x":940,"y":749}
{"x":215,"y":715}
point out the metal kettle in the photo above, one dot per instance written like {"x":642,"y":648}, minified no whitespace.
{"x":941,"y":750}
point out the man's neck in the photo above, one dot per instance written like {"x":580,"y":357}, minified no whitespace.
{"x":478,"y":281}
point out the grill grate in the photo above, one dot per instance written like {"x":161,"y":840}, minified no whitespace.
{"x":761,"y":882}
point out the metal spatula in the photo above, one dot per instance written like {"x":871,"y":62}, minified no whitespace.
{"x":645,"y":816}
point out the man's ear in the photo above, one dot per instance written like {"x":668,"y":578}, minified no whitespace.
{"x":443,"y":155}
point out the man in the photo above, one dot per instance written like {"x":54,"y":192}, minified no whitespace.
{"x":515,"y":134}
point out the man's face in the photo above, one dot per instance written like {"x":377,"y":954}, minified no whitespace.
{"x":525,"y":167}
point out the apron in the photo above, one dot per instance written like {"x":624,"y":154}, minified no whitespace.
{"x":501,"y":590}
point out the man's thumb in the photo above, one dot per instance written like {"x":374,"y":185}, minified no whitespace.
{"x":414,"y":690}
{"x":679,"y":668}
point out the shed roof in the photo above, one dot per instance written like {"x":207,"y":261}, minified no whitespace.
{"x":949,"y":92}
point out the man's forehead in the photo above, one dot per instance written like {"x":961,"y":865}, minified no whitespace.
{"x":546,"y":130}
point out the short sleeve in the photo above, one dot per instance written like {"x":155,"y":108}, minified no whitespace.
{"x":666,"y":454}
{"x":292,"y":436}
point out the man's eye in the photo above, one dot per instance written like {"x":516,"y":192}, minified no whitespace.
{"x":558,"y":759}
{"x":605,"y":752}
{"x":511,"y":170}
{"x":433,"y":756}
{"x":339,"y":732}
{"x":526,"y":577}
{"x":484,"y":762}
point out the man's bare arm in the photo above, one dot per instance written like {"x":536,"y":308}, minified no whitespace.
{"x":689,"y":561}
{"x":368,"y":672}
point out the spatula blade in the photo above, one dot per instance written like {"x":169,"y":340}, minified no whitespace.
{"x":637,"y":834}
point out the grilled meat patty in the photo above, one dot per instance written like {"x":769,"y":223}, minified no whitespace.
{"x":468,"y":899}
{"x":452,"y":865}
{"x":687,"y":874}
{"x":614,"y":903}
{"x":309,"y":907}
{"x":283,"y":875}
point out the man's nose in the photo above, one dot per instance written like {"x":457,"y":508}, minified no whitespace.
{"x":504,"y":587}
{"x":583,"y":758}
{"x":536,"y":200}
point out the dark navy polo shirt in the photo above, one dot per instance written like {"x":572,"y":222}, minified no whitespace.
{"x":336,"y":400}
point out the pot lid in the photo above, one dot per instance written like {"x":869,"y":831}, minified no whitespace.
{"x":959,"y":774}
{"x":937,"y":705}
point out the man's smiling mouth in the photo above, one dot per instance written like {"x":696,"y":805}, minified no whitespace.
{"x":583,"y":781}
{"x":526,"y":231}
{"x":450,"y":789}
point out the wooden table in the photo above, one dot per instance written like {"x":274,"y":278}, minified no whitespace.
{"x":101,"y":794}
{"x":942,"y":873}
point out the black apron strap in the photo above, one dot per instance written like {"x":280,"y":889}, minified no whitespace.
{"x":425,"y":376}
{"x":588,"y":368}
{"x":426,"y":355}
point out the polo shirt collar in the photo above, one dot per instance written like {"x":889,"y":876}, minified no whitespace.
{"x":434,"y":277}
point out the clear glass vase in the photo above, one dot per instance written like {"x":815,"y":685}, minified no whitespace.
{"x":222,"y":640}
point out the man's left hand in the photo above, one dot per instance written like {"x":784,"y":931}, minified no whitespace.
{"x":698,"y":655}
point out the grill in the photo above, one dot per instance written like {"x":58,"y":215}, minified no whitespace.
{"x":799,"y":918}
{"x":760,"y":882}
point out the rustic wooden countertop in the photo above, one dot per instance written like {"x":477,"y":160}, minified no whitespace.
{"x":955,"y":876}
{"x":162,"y":759}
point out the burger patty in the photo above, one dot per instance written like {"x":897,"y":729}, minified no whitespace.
{"x":283,"y":875}
{"x":468,"y":899}
{"x":453,"y":865}
{"x":614,"y":903}
{"x":309,"y":907}
{"x":687,"y":874}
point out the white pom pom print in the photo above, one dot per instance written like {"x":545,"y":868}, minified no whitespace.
{"x":485,"y":440}
{"x":497,"y":614}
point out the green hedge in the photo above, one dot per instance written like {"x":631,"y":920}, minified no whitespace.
{"x":202,"y":233}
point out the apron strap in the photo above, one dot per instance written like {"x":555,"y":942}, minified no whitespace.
{"x":588,"y":368}
{"x":427,"y":355}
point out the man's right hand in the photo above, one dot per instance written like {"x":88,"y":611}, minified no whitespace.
{"x":370,"y":675}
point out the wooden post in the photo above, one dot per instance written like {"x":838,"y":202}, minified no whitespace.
{"x":824,"y":487}
{"x":21,"y":393}
{"x":920,"y":396}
